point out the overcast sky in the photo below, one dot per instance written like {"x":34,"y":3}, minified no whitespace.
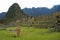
{"x":5,"y":4}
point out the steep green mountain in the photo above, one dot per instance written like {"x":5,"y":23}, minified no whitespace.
{"x":14,"y":13}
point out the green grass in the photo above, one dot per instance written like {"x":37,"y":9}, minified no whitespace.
{"x":30,"y":34}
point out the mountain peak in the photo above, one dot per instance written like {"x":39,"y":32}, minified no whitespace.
{"x":14,"y":13}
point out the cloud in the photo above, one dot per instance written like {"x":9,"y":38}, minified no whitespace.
{"x":5,"y":4}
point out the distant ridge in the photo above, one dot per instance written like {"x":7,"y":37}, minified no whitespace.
{"x":41,"y":10}
{"x":2,"y":15}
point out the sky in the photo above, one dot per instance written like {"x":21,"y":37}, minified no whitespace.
{"x":5,"y":4}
